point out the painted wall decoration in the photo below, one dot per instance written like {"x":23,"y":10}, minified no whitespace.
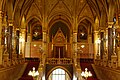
{"x":82,"y":33}
{"x":37,"y":33}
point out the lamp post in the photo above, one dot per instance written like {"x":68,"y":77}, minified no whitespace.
{"x":33,"y":73}
{"x":86,"y":73}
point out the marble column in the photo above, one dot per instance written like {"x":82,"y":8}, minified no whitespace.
{"x":14,"y":55}
{"x":17,"y":41}
{"x":10,"y":30}
{"x":110,"y":40}
{"x":1,"y":48}
{"x":102,"y":44}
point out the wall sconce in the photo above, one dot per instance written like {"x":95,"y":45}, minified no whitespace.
{"x":82,"y":46}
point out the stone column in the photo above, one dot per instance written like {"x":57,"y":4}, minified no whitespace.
{"x":102,"y":44}
{"x":10,"y":29}
{"x":17,"y":41}
{"x":106,"y":42}
{"x":14,"y":55}
{"x":1,"y":48}
{"x":96,"y":45}
{"x":114,"y":54}
{"x":110,"y":40}
{"x":27,"y":46}
{"x":75,"y":47}
{"x":112,"y":57}
{"x":14,"y":40}
{"x":44,"y":45}
{"x":23,"y":32}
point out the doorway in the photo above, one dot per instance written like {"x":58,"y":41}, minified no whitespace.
{"x":59,"y":52}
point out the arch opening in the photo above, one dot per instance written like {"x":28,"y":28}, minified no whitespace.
{"x":59,"y":74}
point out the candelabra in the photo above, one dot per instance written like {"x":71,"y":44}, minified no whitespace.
{"x":86,"y":73}
{"x":33,"y":73}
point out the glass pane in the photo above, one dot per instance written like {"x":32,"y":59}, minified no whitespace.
{"x":62,"y":72}
{"x":53,"y":77}
{"x":57,"y":71}
{"x":63,"y":77}
{"x":58,"y":74}
{"x":54,"y":72}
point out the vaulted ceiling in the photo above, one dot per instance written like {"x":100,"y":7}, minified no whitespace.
{"x":51,"y":10}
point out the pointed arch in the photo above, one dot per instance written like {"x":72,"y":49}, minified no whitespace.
{"x":58,"y":67}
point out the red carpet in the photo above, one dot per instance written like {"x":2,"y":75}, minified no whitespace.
{"x":89,"y":66}
{"x":29,"y":67}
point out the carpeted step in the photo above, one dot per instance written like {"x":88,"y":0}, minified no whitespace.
{"x":29,"y":67}
{"x":90,"y":68}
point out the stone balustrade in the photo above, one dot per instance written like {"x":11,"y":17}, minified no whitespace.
{"x":85,"y":55}
{"x":12,"y":72}
{"x":59,"y":61}
{"x":107,"y":63}
{"x":107,"y":73}
{"x":14,"y":61}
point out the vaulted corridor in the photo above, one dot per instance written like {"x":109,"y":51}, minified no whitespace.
{"x":59,"y":36}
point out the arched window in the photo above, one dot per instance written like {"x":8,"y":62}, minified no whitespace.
{"x":59,"y":74}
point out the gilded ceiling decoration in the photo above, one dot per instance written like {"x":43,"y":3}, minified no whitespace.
{"x":68,"y":10}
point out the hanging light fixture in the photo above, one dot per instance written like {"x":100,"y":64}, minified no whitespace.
{"x":86,"y":73}
{"x":33,"y":73}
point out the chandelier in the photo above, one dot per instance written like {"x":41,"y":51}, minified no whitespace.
{"x":86,"y":73}
{"x":33,"y":73}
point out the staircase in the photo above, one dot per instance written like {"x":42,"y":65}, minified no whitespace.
{"x":90,"y":68}
{"x":30,"y":65}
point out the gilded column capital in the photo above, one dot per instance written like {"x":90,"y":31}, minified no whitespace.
{"x":10,"y":22}
{"x":110,"y":24}
{"x":96,"y":31}
{"x":23,"y":30}
{"x":102,"y":31}
{"x":17,"y":29}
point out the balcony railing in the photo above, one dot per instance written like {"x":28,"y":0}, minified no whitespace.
{"x":62,"y":61}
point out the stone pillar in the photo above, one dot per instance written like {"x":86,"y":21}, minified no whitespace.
{"x":102,"y":44}
{"x":23,"y":32}
{"x":14,"y":40}
{"x":110,"y":40}
{"x":17,"y":41}
{"x":114,"y":54}
{"x":1,"y":48}
{"x":27,"y":46}
{"x":44,"y":45}
{"x":10,"y":29}
{"x":106,"y":42}
{"x":96,"y":46}
{"x":14,"y":55}
{"x":75,"y":47}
